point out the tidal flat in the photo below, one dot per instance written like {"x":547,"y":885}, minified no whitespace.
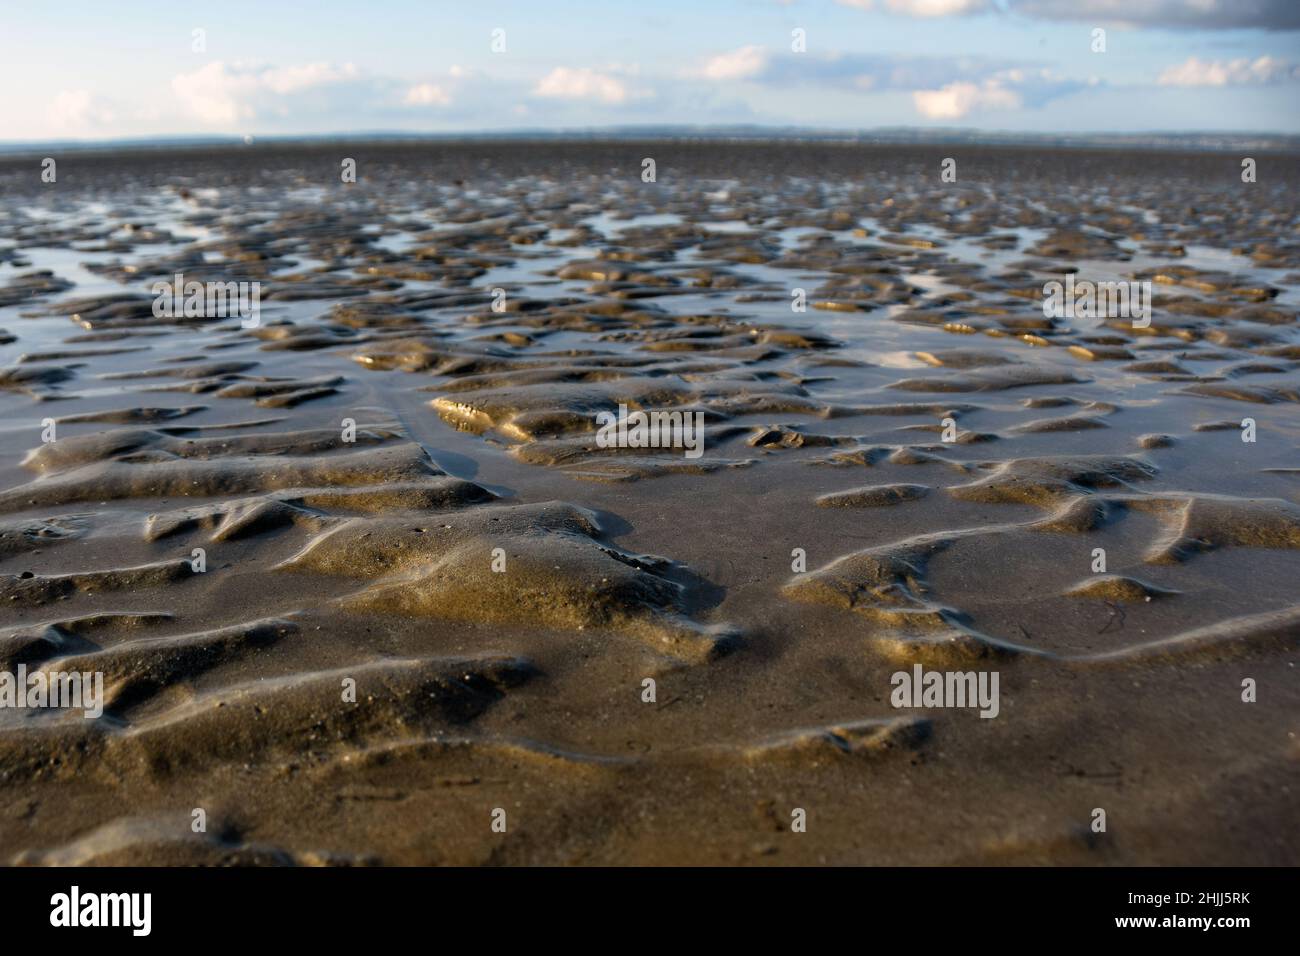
{"x":359,"y":576}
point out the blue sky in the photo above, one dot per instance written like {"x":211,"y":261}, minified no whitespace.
{"x":95,"y":70}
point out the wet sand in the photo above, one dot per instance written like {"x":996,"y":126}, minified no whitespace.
{"x":371,"y":559}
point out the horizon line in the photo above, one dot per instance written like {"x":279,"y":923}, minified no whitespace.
{"x":901,"y":135}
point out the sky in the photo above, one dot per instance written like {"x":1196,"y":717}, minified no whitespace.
{"x":92,"y":70}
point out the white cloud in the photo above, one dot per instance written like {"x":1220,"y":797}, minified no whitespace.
{"x":427,"y":94}
{"x":940,"y":87}
{"x":568,"y":83}
{"x":224,"y":94}
{"x":937,"y":8}
{"x":296,"y":79}
{"x":956,"y":100}
{"x":77,"y":111}
{"x":1161,"y":14}
{"x":747,"y":62}
{"x":1239,"y":72}
{"x":1169,"y":14}
{"x":1015,"y":88}
{"x":214,"y":94}
{"x":923,"y":8}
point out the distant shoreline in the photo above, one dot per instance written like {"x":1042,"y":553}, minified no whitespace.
{"x":1191,"y":141}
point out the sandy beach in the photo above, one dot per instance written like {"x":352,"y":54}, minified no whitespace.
{"x":364,"y":588}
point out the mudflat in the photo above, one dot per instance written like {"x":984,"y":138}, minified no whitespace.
{"x":364,"y":587}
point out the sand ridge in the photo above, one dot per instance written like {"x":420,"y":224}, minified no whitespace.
{"x":362,"y":574}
